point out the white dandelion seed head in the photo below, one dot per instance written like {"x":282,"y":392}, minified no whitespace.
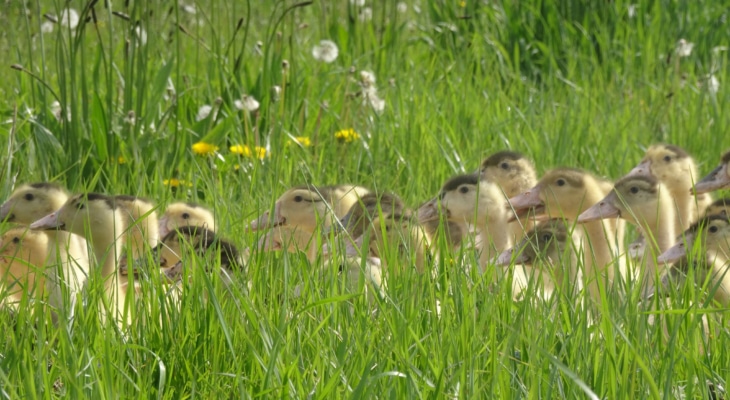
{"x":247,"y":103}
{"x":47,"y":27}
{"x":357,"y":3}
{"x":326,"y":51}
{"x":366,"y":14}
{"x":713,"y":84}
{"x":130,"y":118}
{"x":719,"y":49}
{"x":190,"y":9}
{"x":632,"y":10}
{"x":69,"y":18}
{"x":684,"y":48}
{"x":367,"y":79}
{"x":402,"y":7}
{"x":203,"y":112}
{"x":371,"y":98}
{"x":141,"y":35}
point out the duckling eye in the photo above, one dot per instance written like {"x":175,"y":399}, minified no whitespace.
{"x":504,"y":165}
{"x":29,"y":196}
{"x":464,"y":189}
{"x":298,"y":199}
{"x":667,"y":158}
{"x":713,"y":229}
{"x":16,"y":240}
{"x":560,"y":182}
{"x":634,"y":190}
{"x":80,"y":206}
{"x":186,"y":216}
{"x":546,"y":237}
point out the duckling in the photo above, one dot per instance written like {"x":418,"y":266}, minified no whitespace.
{"x":514,"y":174}
{"x":396,"y":239}
{"x":566,"y":193}
{"x":185,"y":214}
{"x":713,"y":233}
{"x":299,"y":211}
{"x":719,"y":207}
{"x":370,"y":206}
{"x":33,"y":201}
{"x":717,"y":179}
{"x":142,"y":232}
{"x":646,"y":202}
{"x":97,"y":218}
{"x":468,"y":200}
{"x":23,"y":256}
{"x":552,"y":244}
{"x":201,"y":242}
{"x":677,"y":171}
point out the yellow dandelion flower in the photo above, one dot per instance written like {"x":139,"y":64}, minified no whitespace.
{"x":174,"y":182}
{"x":204,"y":149}
{"x":346,"y":135}
{"x":301,"y":140}
{"x":244,"y":150}
{"x":462,"y":4}
{"x":121,"y":160}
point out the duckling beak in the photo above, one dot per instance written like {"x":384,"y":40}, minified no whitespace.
{"x":717,"y":179}
{"x":673,"y":254}
{"x":265,"y":221}
{"x":5,"y":212}
{"x":603,"y":210}
{"x":354,"y":248}
{"x":508,"y":257}
{"x":528,"y":200}
{"x":429,"y":211}
{"x":269,"y":242}
{"x":643,"y":169}
{"x":173,"y":273}
{"x":50,"y":221}
{"x":123,"y":268}
{"x":164,"y":230}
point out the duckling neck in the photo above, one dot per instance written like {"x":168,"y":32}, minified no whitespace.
{"x":108,"y":245}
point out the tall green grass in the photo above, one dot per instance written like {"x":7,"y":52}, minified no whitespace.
{"x":567,"y":83}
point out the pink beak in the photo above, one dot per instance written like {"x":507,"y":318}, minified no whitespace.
{"x":269,"y":242}
{"x":603,"y":210}
{"x":164,"y":230}
{"x":643,"y":169}
{"x":429,"y":211}
{"x":354,"y":248}
{"x":527,"y":200}
{"x":266,"y":222}
{"x":508,"y":257}
{"x":717,"y":179}
{"x":673,"y":254}
{"x":50,"y":221}
{"x":4,"y":211}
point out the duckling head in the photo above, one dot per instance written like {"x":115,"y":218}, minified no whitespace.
{"x":633,"y":198}
{"x":670,"y":164}
{"x":81,"y":214}
{"x":299,"y":208}
{"x":466,"y":198}
{"x":545,"y":243}
{"x":719,"y":207}
{"x":510,"y":170}
{"x":560,"y":193}
{"x":23,"y":245}
{"x":178,"y":215}
{"x":33,"y":201}
{"x":717,"y":179}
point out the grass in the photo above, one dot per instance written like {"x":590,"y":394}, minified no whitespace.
{"x":566,"y":83}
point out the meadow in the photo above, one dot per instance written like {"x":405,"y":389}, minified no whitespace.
{"x":230,"y":103}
